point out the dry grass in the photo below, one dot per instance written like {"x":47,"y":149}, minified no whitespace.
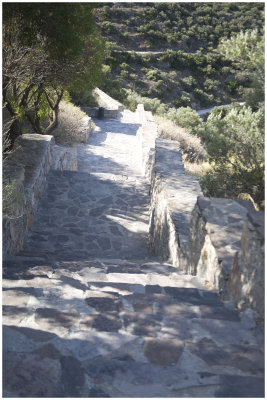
{"x":196,"y":169}
{"x":190,"y":145}
{"x":73,"y":123}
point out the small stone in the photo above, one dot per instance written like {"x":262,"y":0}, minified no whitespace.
{"x":72,"y":376}
{"x":96,"y":212}
{"x":153,"y":289}
{"x":142,"y":307}
{"x":52,"y":319}
{"x":103,"y":304}
{"x":163,"y":352}
{"x":31,"y":375}
{"x":35,"y":334}
{"x":48,"y":351}
{"x":106,"y":323}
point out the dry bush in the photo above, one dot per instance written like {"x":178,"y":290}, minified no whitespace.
{"x":190,"y":145}
{"x":73,"y":125}
{"x":197,"y":169}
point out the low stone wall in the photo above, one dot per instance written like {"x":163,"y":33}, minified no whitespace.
{"x":146,"y":136}
{"x":24,"y":177}
{"x":246,"y":281}
{"x":215,"y":238}
{"x":112,"y":107}
{"x":220,"y":240}
{"x":106,"y":101}
{"x":173,"y":197}
{"x":93,"y":112}
{"x":227,"y":250}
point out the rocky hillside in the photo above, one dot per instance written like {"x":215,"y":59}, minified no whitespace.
{"x":200,"y":79}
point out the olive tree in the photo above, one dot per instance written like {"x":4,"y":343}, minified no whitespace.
{"x":49,"y":49}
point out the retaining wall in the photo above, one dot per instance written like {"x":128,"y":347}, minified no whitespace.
{"x":146,"y":136}
{"x":93,"y":112}
{"x":112,"y":106}
{"x":24,"y":172}
{"x":220,"y":240}
{"x":173,"y":197}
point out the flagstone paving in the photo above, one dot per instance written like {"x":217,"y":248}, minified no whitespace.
{"x":88,"y":312}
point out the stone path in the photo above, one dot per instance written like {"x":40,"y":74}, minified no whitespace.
{"x":88,"y":312}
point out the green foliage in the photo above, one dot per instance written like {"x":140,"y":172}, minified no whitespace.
{"x":63,"y":25}
{"x":246,"y":50}
{"x":42,"y":59}
{"x":234,"y":138}
{"x":154,"y":105}
{"x":181,"y":27}
{"x":185,"y":117}
{"x":211,"y":85}
{"x":153,"y":75}
{"x":182,"y":101}
{"x":189,"y":81}
{"x":108,"y":27}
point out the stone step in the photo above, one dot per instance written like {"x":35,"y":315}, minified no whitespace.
{"x":114,"y":328}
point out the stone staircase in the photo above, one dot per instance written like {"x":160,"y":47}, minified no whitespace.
{"x":89,"y":312}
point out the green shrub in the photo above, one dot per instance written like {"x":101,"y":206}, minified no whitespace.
{"x":124,"y":66}
{"x":133,"y":99}
{"x":85,"y":99}
{"x":185,"y":117}
{"x":189,"y":81}
{"x":124,"y":74}
{"x":183,"y":101}
{"x":231,"y":87}
{"x":211,"y":85}
{"x":153,"y":75}
{"x":234,"y":139}
{"x":108,"y":27}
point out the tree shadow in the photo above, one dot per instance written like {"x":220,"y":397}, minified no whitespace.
{"x":115,"y":126}
{"x":83,"y":216}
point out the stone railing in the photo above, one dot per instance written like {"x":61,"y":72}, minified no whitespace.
{"x":24,"y":181}
{"x":106,"y":101}
{"x":173,"y":197}
{"x":220,"y":240}
{"x":93,"y":112}
{"x":146,"y":136}
{"x":112,"y":107}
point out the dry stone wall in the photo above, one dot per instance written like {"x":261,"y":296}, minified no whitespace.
{"x":220,"y":240}
{"x":173,"y":197}
{"x":24,"y":172}
{"x":146,"y":136}
{"x":112,"y":106}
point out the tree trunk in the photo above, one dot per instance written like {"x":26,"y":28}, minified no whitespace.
{"x":35,"y":123}
{"x":54,"y":123}
{"x":14,"y":132}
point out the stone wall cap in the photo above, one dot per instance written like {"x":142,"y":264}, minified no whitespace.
{"x":36,"y":136}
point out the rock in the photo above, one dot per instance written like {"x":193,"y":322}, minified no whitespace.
{"x":163,"y":352}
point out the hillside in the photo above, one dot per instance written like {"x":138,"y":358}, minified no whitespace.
{"x":198,"y":80}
